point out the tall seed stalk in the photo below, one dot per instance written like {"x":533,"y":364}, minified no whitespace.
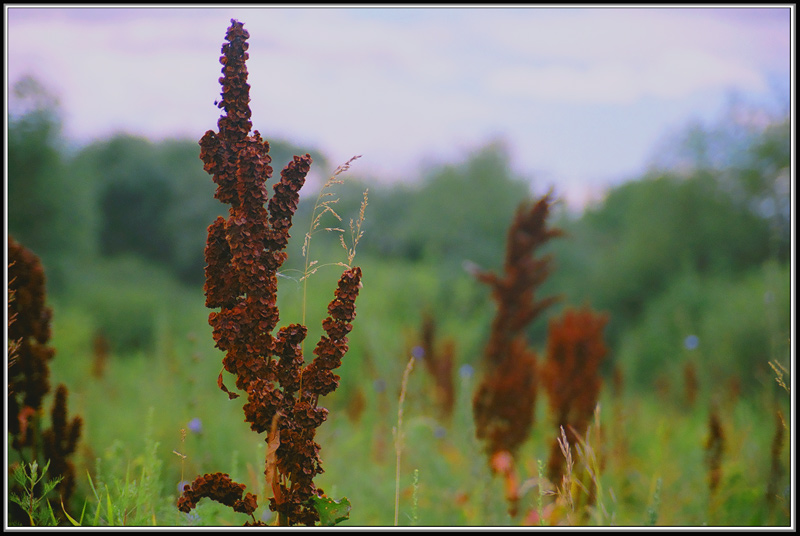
{"x":244,"y":254}
{"x":504,"y":403}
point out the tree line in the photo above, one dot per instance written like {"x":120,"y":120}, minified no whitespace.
{"x":715,"y":203}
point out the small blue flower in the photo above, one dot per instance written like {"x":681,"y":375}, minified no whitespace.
{"x":466,"y":371}
{"x":439,"y":432}
{"x":418,"y":352}
{"x":691,"y":342}
{"x":196,"y":426}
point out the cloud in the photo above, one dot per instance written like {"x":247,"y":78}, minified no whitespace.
{"x":669,"y":74}
{"x":402,"y":85}
{"x":610,"y":56}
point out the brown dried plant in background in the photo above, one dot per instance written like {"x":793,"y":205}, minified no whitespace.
{"x":776,"y":470}
{"x":29,"y":375}
{"x":101,"y":350}
{"x":503,"y":405}
{"x":691,"y":382}
{"x":243,"y":254}
{"x":29,"y":328}
{"x":715,"y":446}
{"x":571,"y":377}
{"x":439,"y":360}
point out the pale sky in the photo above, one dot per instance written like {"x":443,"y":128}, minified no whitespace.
{"x":580,"y":96}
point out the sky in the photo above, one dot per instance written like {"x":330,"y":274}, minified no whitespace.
{"x":580,"y":97}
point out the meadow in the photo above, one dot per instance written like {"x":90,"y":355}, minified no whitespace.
{"x":155,"y":418}
{"x":679,"y":409}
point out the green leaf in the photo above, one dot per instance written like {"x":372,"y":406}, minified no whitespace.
{"x":52,"y":519}
{"x":21,"y":476}
{"x":331,"y":512}
{"x":109,"y":508}
{"x":99,"y":502}
{"x":74,"y":522}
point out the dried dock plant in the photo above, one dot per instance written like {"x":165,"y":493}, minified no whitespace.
{"x":29,"y":376}
{"x":571,"y":377}
{"x":715,"y":446}
{"x":504,"y":403}
{"x":244,"y":254}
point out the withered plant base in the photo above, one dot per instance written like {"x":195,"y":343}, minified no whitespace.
{"x":243,"y":254}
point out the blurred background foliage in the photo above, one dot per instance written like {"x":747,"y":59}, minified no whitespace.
{"x":691,"y":261}
{"x":699,"y":244}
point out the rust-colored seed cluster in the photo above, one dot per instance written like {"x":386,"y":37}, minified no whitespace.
{"x":28,"y":373}
{"x":571,"y":376}
{"x":60,"y":441}
{"x":243,"y":254}
{"x":218,"y":487}
{"x":504,"y":402}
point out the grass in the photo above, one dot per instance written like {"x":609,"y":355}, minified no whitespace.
{"x":156,"y":418}
{"x":398,"y":439}
{"x":647,"y":460}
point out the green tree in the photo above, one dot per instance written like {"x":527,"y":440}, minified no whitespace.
{"x":748,"y":151}
{"x":649,"y":231}
{"x":47,"y":212}
{"x":135,"y":196}
{"x":154,"y":200}
{"x":761,"y":180}
{"x":459,"y":212}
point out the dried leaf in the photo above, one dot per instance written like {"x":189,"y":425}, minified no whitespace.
{"x":221,"y":385}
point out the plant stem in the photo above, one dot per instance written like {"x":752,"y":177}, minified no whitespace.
{"x":398,"y":437}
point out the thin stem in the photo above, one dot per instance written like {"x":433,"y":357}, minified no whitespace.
{"x":316,"y":216}
{"x":398,"y":437}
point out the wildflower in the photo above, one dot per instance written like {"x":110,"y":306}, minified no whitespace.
{"x":691,"y":342}
{"x":195,"y":426}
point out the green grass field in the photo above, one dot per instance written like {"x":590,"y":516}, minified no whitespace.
{"x":155,"y":418}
